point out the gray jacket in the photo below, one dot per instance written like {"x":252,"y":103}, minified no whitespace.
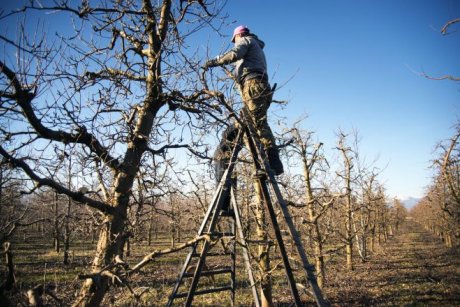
{"x":248,"y":57}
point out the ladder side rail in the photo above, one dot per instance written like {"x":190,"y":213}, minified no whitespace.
{"x":181,"y":276}
{"x":189,"y":257}
{"x":197,"y":274}
{"x":256,"y":155}
{"x":224,"y":182}
{"x":233,"y":256}
{"x":245,"y":247}
{"x":204,"y":251}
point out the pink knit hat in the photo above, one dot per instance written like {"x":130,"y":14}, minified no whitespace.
{"x":239,"y":30}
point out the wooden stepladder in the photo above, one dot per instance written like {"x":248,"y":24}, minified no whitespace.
{"x":211,"y":226}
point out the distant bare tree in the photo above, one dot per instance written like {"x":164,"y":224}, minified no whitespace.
{"x":376,"y":215}
{"x":349,"y":178}
{"x":439,"y":211}
{"x":13,"y":209}
{"x":398,"y":214}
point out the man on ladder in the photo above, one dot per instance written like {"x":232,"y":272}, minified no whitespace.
{"x":251,"y":74}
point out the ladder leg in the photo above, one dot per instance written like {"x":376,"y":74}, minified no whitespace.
{"x":197,"y":274}
{"x":211,"y":208}
{"x":181,"y":276}
{"x":311,"y":278}
{"x":201,"y":261}
{"x":233,"y":273}
{"x":308,"y":268}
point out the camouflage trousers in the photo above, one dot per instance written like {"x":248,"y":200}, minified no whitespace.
{"x":257,"y":96}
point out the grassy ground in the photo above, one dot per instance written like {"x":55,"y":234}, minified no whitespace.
{"x":413,"y":268}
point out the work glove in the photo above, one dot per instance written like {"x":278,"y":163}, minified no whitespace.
{"x":210,"y":63}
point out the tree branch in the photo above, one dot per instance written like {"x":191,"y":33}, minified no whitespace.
{"x":150,"y":257}
{"x":77,"y":196}
{"x":447,"y":25}
{"x":165,"y":147}
{"x":24,"y":98}
{"x":84,"y":12}
{"x":445,"y":77}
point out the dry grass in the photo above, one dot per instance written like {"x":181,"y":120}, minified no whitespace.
{"x":412,"y":269}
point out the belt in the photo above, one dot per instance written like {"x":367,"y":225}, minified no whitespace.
{"x":256,"y":76}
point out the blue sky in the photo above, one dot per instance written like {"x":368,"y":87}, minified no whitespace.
{"x":354,"y":65}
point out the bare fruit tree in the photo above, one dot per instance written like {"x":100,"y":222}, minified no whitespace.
{"x":318,"y":199}
{"x":349,"y":178}
{"x":363,"y":198}
{"x":439,"y":210}
{"x":117,"y":87}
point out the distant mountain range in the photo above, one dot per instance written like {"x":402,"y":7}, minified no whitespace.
{"x":410,"y":202}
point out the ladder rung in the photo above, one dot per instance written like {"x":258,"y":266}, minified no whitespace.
{"x":209,"y":273}
{"x":213,"y":254}
{"x":223,"y":234}
{"x":219,"y":234}
{"x":229,"y":213}
{"x":206,"y":291}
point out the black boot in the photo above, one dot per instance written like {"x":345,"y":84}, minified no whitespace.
{"x":274,"y":160}
{"x":220,"y":166}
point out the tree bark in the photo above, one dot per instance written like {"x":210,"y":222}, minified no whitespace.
{"x":314,"y":225}
{"x":112,"y":236}
{"x":67,"y":220}
{"x":56,"y":243}
{"x":348,"y":209}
